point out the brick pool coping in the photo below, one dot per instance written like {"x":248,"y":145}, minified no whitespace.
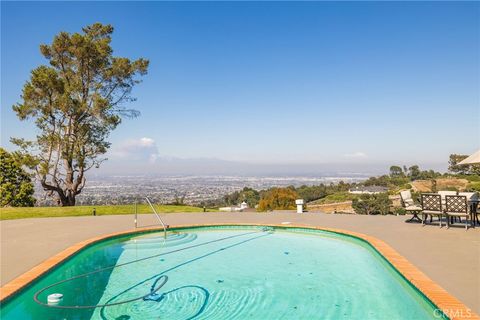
{"x":447,"y":303}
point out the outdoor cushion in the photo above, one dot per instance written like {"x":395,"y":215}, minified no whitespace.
{"x":406,"y":195}
{"x":469,"y":195}
{"x":413,"y":208}
{"x":463,"y":214}
{"x":447,"y":193}
{"x":432,"y":212}
{"x":408,"y":202}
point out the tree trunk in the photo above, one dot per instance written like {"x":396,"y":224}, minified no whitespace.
{"x":69,"y":193}
{"x":65,"y":198}
{"x":70,"y":202}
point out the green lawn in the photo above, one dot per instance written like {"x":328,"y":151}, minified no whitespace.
{"x":43,"y":212}
{"x":341,"y":196}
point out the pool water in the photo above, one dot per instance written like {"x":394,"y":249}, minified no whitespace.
{"x":226,"y":273}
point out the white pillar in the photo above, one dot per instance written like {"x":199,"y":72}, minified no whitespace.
{"x":299,"y":203}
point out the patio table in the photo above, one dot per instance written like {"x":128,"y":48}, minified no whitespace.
{"x":473,"y":211}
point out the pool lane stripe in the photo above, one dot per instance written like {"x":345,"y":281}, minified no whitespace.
{"x":447,"y":303}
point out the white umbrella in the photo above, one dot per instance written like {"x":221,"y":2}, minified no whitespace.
{"x":473,"y":159}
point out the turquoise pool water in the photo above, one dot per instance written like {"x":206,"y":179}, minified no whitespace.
{"x":226,"y":273}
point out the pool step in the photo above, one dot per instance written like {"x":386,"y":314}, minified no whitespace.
{"x":157,"y":241}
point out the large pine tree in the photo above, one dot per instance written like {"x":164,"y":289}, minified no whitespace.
{"x":76,"y":101}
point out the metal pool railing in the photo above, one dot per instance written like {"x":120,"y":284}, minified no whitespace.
{"x":156,"y":214}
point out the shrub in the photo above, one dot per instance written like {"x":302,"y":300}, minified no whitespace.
{"x":474,"y":186}
{"x":277,"y":199}
{"x":399,"y":211}
{"x":16,"y":188}
{"x":372,"y":204}
{"x":249,"y":195}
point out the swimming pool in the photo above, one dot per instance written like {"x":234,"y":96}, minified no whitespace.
{"x":225,"y":273}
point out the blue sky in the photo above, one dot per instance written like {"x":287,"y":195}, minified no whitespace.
{"x":344,"y":83}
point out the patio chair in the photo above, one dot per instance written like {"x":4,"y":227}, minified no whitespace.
{"x":409,"y":205}
{"x":432,"y":205}
{"x":445,"y":193}
{"x":456,"y":206}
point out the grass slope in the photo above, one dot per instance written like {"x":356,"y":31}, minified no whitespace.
{"x":43,"y":212}
{"x":341,"y":196}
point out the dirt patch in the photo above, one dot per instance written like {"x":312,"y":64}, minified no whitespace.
{"x":442,"y":184}
{"x":332,"y":207}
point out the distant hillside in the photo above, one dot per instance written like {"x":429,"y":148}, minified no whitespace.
{"x":442,"y":184}
{"x":344,"y":207}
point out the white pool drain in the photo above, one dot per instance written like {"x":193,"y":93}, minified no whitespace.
{"x":54,"y":298}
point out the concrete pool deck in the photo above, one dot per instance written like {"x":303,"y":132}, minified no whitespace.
{"x":449,"y":257}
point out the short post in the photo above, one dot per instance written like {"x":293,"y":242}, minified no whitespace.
{"x":299,"y":203}
{"x":94,"y":211}
{"x":204,"y":209}
{"x":136,"y":213}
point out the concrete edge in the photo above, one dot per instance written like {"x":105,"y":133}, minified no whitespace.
{"x":448,"y":304}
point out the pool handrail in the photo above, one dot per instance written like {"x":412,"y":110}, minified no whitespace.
{"x":156,"y":214}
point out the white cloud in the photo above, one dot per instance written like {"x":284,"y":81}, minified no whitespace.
{"x":143,"y":149}
{"x":356,"y":155}
{"x":147,"y":142}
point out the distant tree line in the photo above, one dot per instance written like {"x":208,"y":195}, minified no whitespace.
{"x":401,"y":177}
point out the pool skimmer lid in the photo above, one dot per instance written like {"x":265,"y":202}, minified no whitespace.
{"x":54,"y":298}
